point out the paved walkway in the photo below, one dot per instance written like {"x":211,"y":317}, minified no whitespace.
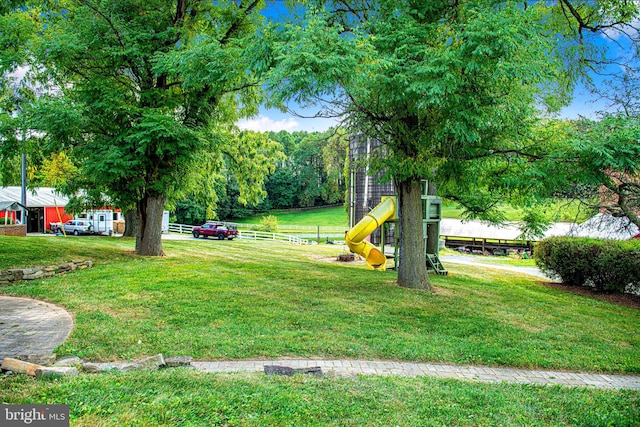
{"x":30,"y":327}
{"x":469,"y":373}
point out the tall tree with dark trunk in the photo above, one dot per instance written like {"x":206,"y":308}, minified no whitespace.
{"x":442,"y":85}
{"x":148,"y":89}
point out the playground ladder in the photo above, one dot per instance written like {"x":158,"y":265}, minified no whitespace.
{"x":433,"y":263}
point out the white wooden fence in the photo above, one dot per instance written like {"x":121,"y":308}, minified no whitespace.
{"x":263,"y":235}
{"x":309,"y":228}
{"x":246,"y":234}
{"x":180,"y":228}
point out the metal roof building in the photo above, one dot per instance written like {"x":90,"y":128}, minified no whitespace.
{"x":604,"y":226}
{"x":43,"y":205}
{"x":37,"y":198}
{"x":509,"y":231}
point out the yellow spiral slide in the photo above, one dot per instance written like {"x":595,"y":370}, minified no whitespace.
{"x":355,"y":238}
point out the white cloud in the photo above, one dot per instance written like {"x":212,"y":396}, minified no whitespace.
{"x":266,"y":124}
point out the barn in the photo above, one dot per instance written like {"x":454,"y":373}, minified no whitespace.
{"x":44,"y":205}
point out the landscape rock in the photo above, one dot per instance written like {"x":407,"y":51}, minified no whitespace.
{"x":176,"y":361}
{"x":68,"y":361}
{"x":150,"y":363}
{"x":19,"y":366}
{"x":55,"y":371}
{"x":16,"y":274}
{"x":278,"y":370}
{"x":93,"y":368}
{"x":39,"y":359}
{"x":68,"y":266}
{"x":287,"y":371}
{"x":32,"y":273}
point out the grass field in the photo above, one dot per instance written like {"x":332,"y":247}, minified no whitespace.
{"x":240,"y":299}
{"x":329,"y":217}
{"x":186,"y":398}
{"x":287,"y":300}
{"x":337,"y":216}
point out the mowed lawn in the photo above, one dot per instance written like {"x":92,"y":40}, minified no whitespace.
{"x":335,"y":216}
{"x":239,"y":299}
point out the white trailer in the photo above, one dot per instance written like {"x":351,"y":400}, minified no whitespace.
{"x":101,"y":220}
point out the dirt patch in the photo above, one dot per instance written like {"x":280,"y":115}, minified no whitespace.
{"x":442,"y":291}
{"x":627,"y":300}
{"x":334,"y":260}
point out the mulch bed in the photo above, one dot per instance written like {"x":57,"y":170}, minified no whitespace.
{"x":627,"y":300}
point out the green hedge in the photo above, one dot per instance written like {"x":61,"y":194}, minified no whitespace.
{"x":606,"y":265}
{"x":9,"y":221}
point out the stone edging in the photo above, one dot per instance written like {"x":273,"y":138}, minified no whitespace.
{"x":33,"y":273}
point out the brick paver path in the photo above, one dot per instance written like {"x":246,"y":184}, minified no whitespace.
{"x":470,"y":373}
{"x":31,"y":327}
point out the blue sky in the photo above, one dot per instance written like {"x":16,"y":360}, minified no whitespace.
{"x":584,"y":103}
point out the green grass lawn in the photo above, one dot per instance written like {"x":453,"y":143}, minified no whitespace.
{"x":287,"y":300}
{"x":557,"y":212}
{"x":183,"y":398}
{"x":241,"y":299}
{"x":337,"y":216}
{"x":328,"y":217}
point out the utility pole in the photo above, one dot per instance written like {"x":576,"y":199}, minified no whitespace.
{"x":23,"y":198}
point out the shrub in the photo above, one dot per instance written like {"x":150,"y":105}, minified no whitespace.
{"x":6,"y":221}
{"x":269,"y":223}
{"x":606,"y":265}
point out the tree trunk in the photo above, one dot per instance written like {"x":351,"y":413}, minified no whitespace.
{"x":412,"y":269}
{"x":131,"y":223}
{"x":149,"y":237}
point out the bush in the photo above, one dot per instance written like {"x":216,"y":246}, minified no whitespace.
{"x":269,"y":223}
{"x":9,"y":221}
{"x":606,"y":265}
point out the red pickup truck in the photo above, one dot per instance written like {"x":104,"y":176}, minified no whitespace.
{"x":219,"y":230}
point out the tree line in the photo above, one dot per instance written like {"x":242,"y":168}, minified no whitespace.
{"x":309,"y":174}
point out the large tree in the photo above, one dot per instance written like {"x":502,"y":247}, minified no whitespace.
{"x":144,"y":94}
{"x":449,"y":88}
{"x":597,"y":159}
{"x":607,"y":149}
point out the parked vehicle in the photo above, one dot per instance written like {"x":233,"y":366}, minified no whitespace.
{"x":219,"y":230}
{"x":73,"y":226}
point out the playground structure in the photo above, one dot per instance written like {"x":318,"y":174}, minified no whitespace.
{"x":355,"y":237}
{"x":386,"y":212}
{"x":373,"y":212}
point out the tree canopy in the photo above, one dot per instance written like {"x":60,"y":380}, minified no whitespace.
{"x":144,"y":96}
{"x":451,"y":89}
